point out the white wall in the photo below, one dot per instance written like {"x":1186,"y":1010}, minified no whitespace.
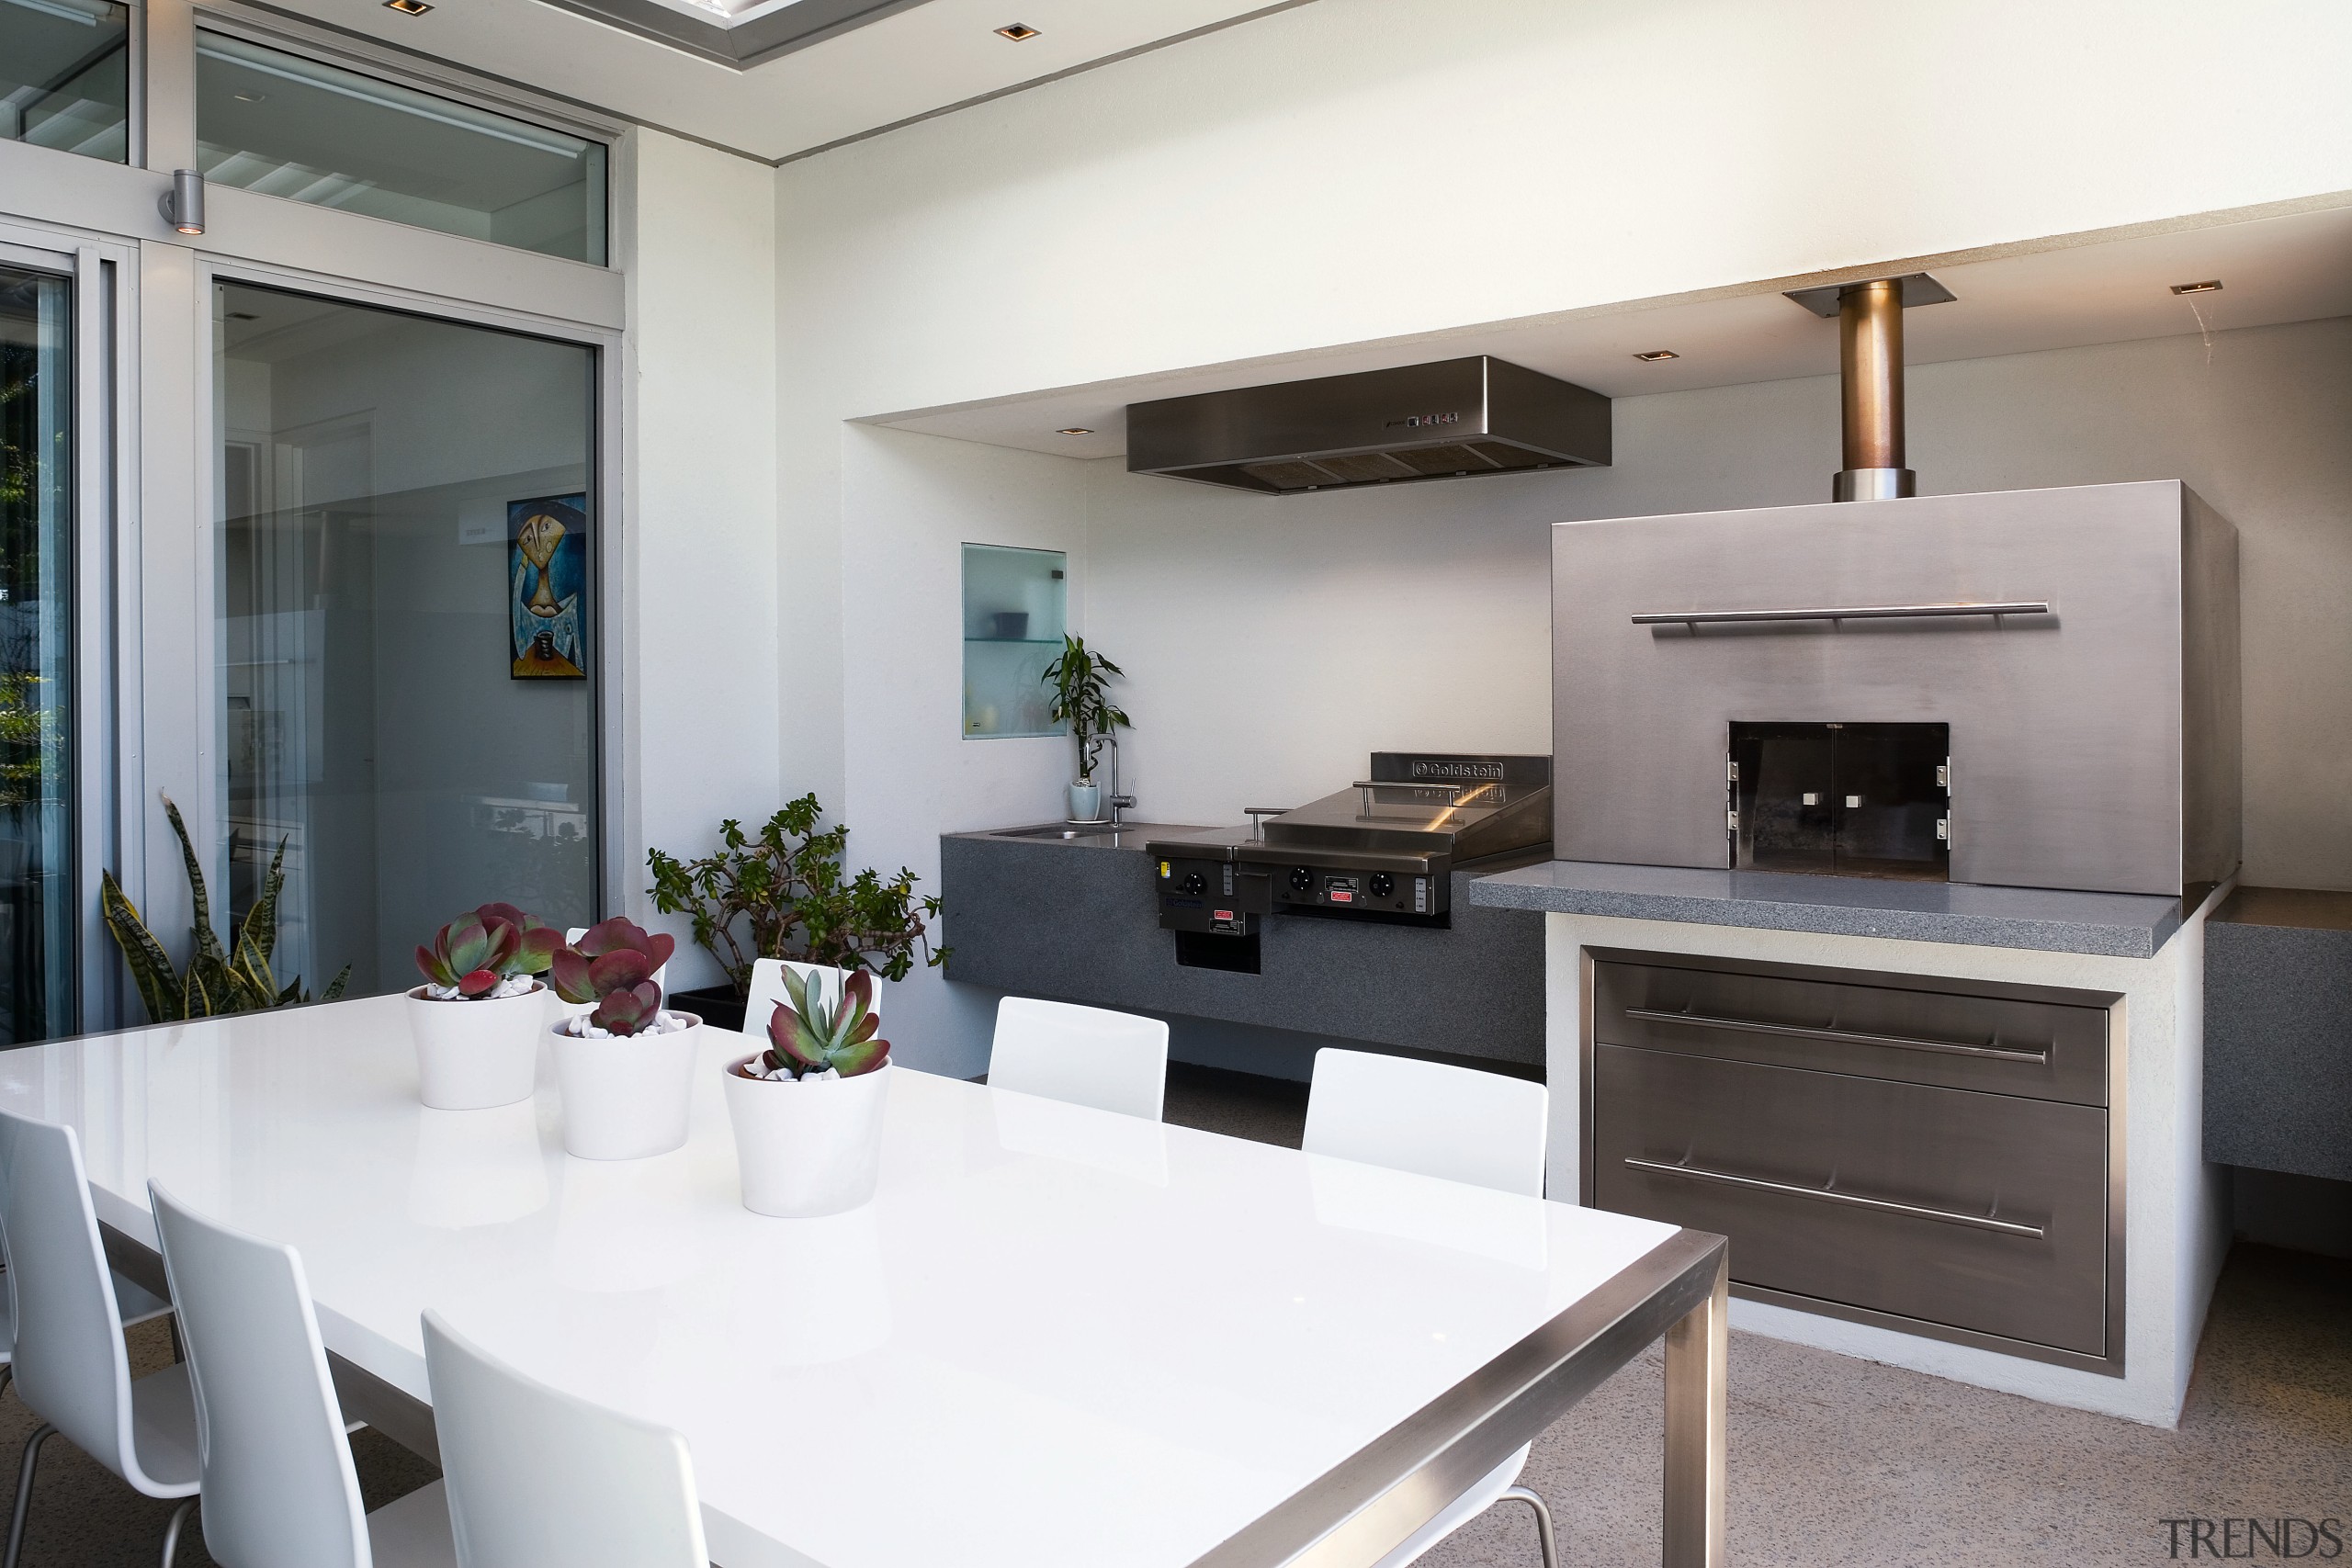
{"x":700,"y":671}
{"x":1363,"y":170}
{"x":911,"y":774}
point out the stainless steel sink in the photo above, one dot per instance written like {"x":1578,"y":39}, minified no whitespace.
{"x":1059,"y":830}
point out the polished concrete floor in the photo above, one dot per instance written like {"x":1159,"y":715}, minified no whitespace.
{"x":1834,"y":1462}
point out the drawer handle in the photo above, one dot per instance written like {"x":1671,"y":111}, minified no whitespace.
{"x":1828,"y":1195}
{"x":1849,"y":1036}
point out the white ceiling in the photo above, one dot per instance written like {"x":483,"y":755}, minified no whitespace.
{"x":2064,"y":294}
{"x":914,"y":61}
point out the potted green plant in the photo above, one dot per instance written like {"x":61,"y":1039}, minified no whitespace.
{"x":475,"y":1019}
{"x":807,"y":1111}
{"x":218,"y":979}
{"x":624,"y":1065}
{"x":782,"y":893}
{"x":1081,"y":684}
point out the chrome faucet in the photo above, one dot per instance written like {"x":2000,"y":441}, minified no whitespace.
{"x":1120,"y":804}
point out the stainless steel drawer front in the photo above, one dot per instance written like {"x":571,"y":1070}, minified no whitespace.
{"x":1984,"y":1211}
{"x":1959,"y":1039}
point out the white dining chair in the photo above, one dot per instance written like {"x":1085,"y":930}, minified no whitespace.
{"x":134,"y":1301}
{"x":1461,"y":1125}
{"x":1113,"y":1060}
{"x":71,"y":1365}
{"x":767,"y":990}
{"x":278,"y":1487}
{"x":540,"y":1478}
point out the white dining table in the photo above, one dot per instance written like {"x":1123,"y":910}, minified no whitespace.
{"x":1057,"y":1338}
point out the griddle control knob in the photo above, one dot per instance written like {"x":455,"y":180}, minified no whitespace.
{"x":1383,"y":885}
{"x":1301,"y":879}
{"x":1191,"y":882}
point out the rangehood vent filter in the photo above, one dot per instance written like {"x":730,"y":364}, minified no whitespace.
{"x":1447,"y":420}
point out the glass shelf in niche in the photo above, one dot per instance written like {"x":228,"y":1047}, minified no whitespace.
{"x":1015,"y":605}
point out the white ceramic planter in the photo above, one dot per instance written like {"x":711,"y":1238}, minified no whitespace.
{"x":806,"y":1149}
{"x":626,"y":1098}
{"x":1086,"y":803}
{"x":472,"y":1056}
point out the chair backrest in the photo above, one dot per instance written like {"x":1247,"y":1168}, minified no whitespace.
{"x":767,"y":990}
{"x":279,"y":1490}
{"x":1113,"y":1060}
{"x":1456,"y":1123}
{"x":538,"y":1478}
{"x":71,"y":1365}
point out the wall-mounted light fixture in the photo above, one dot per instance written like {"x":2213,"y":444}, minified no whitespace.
{"x":1657,"y":355}
{"x":1019,"y":32}
{"x":1073,"y":430}
{"x":2210,"y":285}
{"x":183,"y":205}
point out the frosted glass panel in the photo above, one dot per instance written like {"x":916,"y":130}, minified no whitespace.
{"x":407,"y":623}
{"x":1014,"y":602}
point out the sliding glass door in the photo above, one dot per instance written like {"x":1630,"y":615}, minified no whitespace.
{"x":406,"y":625}
{"x":37,"y":907}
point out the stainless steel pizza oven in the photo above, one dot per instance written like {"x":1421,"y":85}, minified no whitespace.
{"x":2032,"y":688}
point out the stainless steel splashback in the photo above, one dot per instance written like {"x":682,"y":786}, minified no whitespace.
{"x":2082,"y":643}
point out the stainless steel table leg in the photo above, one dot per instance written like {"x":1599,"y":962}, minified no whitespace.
{"x":1696,"y":1402}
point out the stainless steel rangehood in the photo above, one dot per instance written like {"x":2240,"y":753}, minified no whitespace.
{"x":1444,"y":421}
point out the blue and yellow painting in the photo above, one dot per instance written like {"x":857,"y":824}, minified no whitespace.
{"x":547,"y":600}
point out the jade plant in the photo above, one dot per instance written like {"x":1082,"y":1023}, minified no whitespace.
{"x":782,"y":893}
{"x":486,"y":954}
{"x":811,"y":1037}
{"x":613,"y":965}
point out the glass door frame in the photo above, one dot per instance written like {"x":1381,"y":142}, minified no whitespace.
{"x":103,"y":277}
{"x":145,"y":432}
{"x":605,"y":680}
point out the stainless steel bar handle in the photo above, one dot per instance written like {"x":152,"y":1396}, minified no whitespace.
{"x":1365,"y":786}
{"x":1829,"y":1195}
{"x":1851,"y":613}
{"x":1258,"y":815}
{"x":1849,"y":1036}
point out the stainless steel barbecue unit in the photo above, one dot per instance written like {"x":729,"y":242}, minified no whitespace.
{"x":1385,"y":847}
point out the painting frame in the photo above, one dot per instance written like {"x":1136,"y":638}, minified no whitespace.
{"x":549,"y":581}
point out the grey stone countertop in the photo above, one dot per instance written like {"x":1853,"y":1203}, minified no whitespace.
{"x":1086,"y":835}
{"x":2114,"y":925}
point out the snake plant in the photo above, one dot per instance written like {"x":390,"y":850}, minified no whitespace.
{"x":218,"y":980}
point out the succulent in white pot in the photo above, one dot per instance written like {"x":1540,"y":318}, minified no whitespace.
{"x":624,"y":1065}
{"x":477,"y":1018}
{"x":807,"y":1111}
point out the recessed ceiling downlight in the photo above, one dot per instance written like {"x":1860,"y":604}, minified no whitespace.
{"x":1657,"y":356}
{"x":407,"y":8}
{"x":1073,"y":430}
{"x":2210,"y":285}
{"x":1019,"y":32}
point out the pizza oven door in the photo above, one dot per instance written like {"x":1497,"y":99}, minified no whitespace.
{"x":1842,"y":799}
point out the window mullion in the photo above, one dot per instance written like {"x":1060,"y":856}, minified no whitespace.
{"x":169,"y":95}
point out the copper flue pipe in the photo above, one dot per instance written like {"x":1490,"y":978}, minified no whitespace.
{"x":1870,"y":345}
